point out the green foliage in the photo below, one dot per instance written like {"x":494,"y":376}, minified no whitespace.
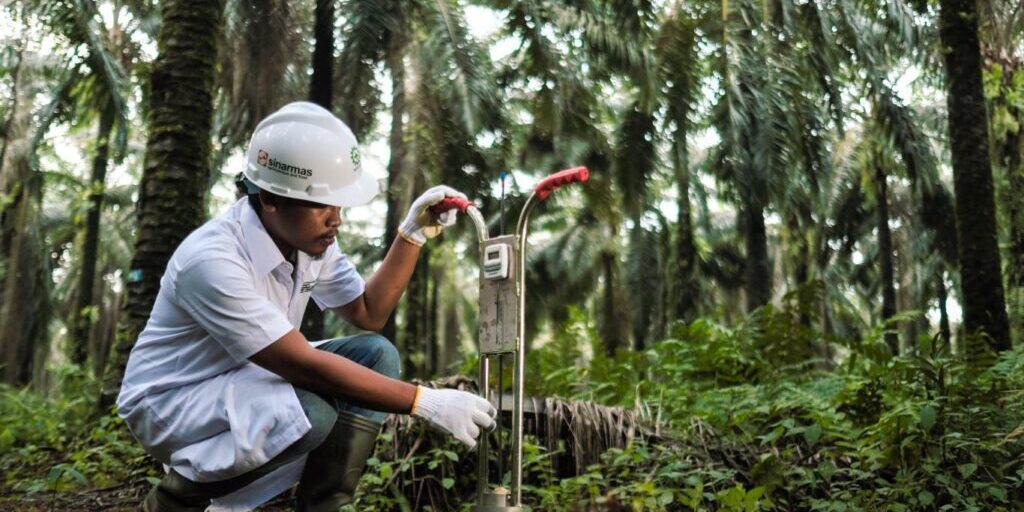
{"x":749,"y":418}
{"x":57,"y":443}
{"x":742,"y":418}
{"x":1009,"y":90}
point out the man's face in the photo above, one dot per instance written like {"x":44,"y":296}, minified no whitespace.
{"x":303,"y":225}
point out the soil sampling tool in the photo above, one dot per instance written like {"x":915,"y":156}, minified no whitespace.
{"x":502,"y":328}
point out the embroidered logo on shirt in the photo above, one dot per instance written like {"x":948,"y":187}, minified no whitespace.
{"x":308,"y":286}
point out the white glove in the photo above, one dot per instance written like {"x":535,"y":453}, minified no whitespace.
{"x":420,"y":223}
{"x":458,"y":413}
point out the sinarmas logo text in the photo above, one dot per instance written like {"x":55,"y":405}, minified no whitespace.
{"x":291,"y":170}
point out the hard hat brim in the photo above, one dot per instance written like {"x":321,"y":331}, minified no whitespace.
{"x":359,"y":193}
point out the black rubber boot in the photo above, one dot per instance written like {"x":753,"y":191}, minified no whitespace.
{"x":176,"y":493}
{"x":333,"y":469}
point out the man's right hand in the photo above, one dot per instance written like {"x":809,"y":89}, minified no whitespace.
{"x":459,"y":413}
{"x":420,"y":223}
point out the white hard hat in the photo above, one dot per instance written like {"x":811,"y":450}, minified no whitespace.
{"x":303,"y":152}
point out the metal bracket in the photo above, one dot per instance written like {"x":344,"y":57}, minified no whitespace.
{"x":499,"y":303}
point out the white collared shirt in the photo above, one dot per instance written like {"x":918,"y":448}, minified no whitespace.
{"x":190,"y":394}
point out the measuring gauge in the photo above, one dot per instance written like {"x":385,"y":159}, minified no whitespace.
{"x":496,"y":261}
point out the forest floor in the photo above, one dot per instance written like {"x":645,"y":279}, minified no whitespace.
{"x":125,"y":497}
{"x":119,"y":498}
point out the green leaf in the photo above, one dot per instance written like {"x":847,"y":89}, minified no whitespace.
{"x":53,"y":477}
{"x":666,"y":497}
{"x":927,"y":417}
{"x":447,"y":483}
{"x":998,"y":492}
{"x":385,"y":471}
{"x":812,"y":434}
{"x":925,"y":498}
{"x":966,"y":470}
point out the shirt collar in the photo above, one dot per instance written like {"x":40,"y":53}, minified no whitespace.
{"x":262,"y":249}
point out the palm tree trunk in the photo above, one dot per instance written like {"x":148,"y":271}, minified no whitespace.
{"x":432,"y":321}
{"x":980,"y":274}
{"x":1008,"y":150}
{"x":758,"y":272}
{"x":885,"y":259}
{"x":943,"y":314}
{"x":415,"y":337}
{"x":450,"y":333}
{"x":18,"y":261}
{"x":20,"y":291}
{"x":615,"y":326}
{"x":176,"y":168}
{"x":644,"y":285}
{"x":684,"y":297}
{"x":7,"y":131}
{"x":82,"y":316}
{"x":321,"y":85}
{"x":1011,"y":150}
{"x":396,"y":172}
{"x":321,"y":92}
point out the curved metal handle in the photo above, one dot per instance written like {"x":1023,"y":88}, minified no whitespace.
{"x":559,"y":179}
{"x":451,"y":203}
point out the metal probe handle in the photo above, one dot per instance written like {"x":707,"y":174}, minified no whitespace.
{"x":540,"y":193}
{"x":451,"y":203}
{"x":559,"y":179}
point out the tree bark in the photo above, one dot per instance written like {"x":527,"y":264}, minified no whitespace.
{"x":176,"y":165}
{"x":433,"y":320}
{"x":644,"y":283}
{"x":685,"y":289}
{"x":21,"y":306}
{"x":614,"y":313}
{"x":416,"y":340}
{"x":943,"y":314}
{"x":1009,"y":159}
{"x":82,"y":317}
{"x":19,"y":254}
{"x":395,"y":62}
{"x":321,"y":86}
{"x":1010,"y":154}
{"x":8,"y":132}
{"x":885,"y":255}
{"x":983,"y":300}
{"x":450,"y":333}
{"x":758,"y":272}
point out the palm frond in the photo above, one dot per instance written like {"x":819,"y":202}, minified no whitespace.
{"x":259,"y":44}
{"x":364,"y":36}
{"x":107,"y":84}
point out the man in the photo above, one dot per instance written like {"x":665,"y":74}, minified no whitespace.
{"x":223,"y":389}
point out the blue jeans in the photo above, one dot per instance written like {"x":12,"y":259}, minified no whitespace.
{"x":370,"y":350}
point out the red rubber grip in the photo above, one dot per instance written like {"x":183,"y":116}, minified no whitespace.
{"x":560,"y":178}
{"x":451,"y":203}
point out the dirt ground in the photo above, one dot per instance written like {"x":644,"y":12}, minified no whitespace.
{"x":120,"y":498}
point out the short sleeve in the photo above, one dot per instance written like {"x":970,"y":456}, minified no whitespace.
{"x":219,"y":295}
{"x":339,"y":283}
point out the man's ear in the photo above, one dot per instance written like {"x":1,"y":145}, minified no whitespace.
{"x":267,"y":202}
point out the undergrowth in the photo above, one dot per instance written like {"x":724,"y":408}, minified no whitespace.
{"x":765,"y":415}
{"x":58,"y":443}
